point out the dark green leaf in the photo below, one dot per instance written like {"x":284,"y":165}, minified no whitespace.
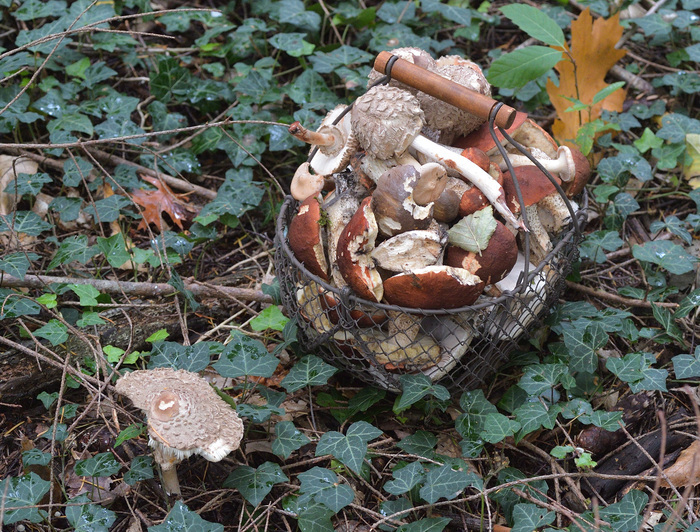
{"x":237,"y":195}
{"x":54,"y":331}
{"x":192,"y":358}
{"x":666,"y":254}
{"x":288,"y":439}
{"x":254,"y":484}
{"x":415,"y":387}
{"x":26,"y":222}
{"x":446,"y":481}
{"x":309,"y":371}
{"x":674,"y":127}
{"x":323,"y":486}
{"x":169,"y":79}
{"x":107,"y":209}
{"x":539,"y":378}
{"x":325,"y":63}
{"x":27,"y":184}
{"x":421,"y":443}
{"x":76,"y":171}
{"x":351,"y":448}
{"x":597,"y":243}
{"x":182,"y":519}
{"x":428,"y":524}
{"x":88,"y":516}
{"x":73,"y":248}
{"x":405,"y":478}
{"x":13,"y":305}
{"x":244,"y":356}
{"x":35,"y":457}
{"x":516,"y":68}
{"x":529,"y":517}
{"x":626,"y":515}
{"x":535,"y":23}
{"x":687,"y":366}
{"x":292,"y":43}
{"x":17,"y":264}
{"x":100,"y":465}
{"x":141,"y":468}
{"x":498,"y":427}
{"x":113,"y":128}
{"x":114,"y":249}
{"x":68,"y":208}
{"x":23,"y":491}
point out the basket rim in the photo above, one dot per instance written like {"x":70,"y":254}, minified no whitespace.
{"x":349,"y":299}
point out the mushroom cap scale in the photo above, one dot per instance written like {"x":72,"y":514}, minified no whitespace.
{"x":185,"y":415}
{"x":385,"y":120}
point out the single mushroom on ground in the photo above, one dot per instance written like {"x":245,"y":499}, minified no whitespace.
{"x":335,"y":142}
{"x":185,"y":417}
{"x":387,"y":121}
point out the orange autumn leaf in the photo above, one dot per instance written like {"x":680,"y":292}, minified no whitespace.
{"x":162,"y":200}
{"x":593,"y":50}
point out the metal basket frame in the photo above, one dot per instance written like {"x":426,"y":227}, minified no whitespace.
{"x":483,"y":334}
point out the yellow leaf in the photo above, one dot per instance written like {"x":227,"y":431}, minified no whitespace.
{"x":691,"y":171}
{"x":593,"y":52}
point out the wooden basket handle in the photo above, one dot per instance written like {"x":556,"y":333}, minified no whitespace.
{"x":444,"y":89}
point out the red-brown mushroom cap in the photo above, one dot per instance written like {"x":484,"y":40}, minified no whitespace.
{"x":433,"y":287}
{"x":494,"y":262}
{"x":355,"y":244}
{"x":581,"y":176}
{"x":473,"y":199}
{"x":534,"y":186}
{"x":393,"y":204}
{"x":481,"y":138}
{"x":362,"y":318}
{"x":306,"y":238}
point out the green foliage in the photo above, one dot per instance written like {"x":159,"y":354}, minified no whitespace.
{"x":255,"y":483}
{"x":351,"y":448}
{"x":244,"y":356}
{"x":309,"y":371}
{"x":288,"y":439}
{"x":24,"y":491}
{"x":182,"y":519}
{"x":88,"y":517}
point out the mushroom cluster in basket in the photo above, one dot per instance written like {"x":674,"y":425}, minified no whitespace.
{"x":408,"y":201}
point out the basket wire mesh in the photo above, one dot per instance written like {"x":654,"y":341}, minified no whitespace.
{"x":459,"y":348}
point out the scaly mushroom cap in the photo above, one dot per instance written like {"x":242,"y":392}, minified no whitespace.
{"x":414,"y":55}
{"x":534,"y":186}
{"x":385,"y":120}
{"x":494,"y":262}
{"x":433,"y":287}
{"x":306,"y":237}
{"x":393,"y":203}
{"x":185,"y":415}
{"x":355,"y":244}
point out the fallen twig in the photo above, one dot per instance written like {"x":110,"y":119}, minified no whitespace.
{"x":617,"y":299}
{"x":138,"y":289}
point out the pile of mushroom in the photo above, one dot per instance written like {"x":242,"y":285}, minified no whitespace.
{"x":421,"y":223}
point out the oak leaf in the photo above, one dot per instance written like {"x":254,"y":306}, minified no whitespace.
{"x":162,"y":200}
{"x":593,"y":52}
{"x":685,"y":471}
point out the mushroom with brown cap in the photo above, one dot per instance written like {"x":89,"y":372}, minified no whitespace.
{"x":411,"y":250}
{"x":433,"y":287}
{"x":306,"y":237}
{"x":387,"y":121}
{"x":335,"y":142}
{"x":185,"y":417}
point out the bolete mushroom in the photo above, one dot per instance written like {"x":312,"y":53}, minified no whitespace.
{"x":410,"y":250}
{"x":433,"y":287}
{"x":355,"y":244}
{"x":185,"y":417}
{"x":306,"y":237}
{"x":387,"y":121}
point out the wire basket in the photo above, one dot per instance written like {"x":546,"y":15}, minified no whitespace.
{"x":458,"y":348}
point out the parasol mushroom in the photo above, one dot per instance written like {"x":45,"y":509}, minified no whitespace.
{"x":387,"y":121}
{"x":185,"y":417}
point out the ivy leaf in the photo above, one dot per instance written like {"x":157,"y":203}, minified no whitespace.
{"x":292,"y":43}
{"x":188,"y":357}
{"x":498,"y":427}
{"x":539,"y":378}
{"x":141,"y":468}
{"x":26,"y":222}
{"x":583,"y":338}
{"x":415,"y":387}
{"x":237,"y":195}
{"x":100,"y":465}
{"x":244,"y":356}
{"x":325,"y":63}
{"x":535,"y":23}
{"x":351,"y":448}
{"x":428,"y":524}
{"x":76,"y":171}
{"x":132,"y":431}
{"x":27,"y":184}
{"x":254,"y":484}
{"x":528,"y":517}
{"x":182,"y":519}
{"x":35,"y":457}
{"x":605,"y":420}
{"x":507,"y":499}
{"x":421,"y":443}
{"x":114,"y":249}
{"x":87,"y":293}
{"x":270,"y":318}
{"x":405,"y":478}
{"x":309,"y":371}
{"x":322,"y":486}
{"x":597,"y":243}
{"x":447,"y":481}
{"x":667,"y":320}
{"x":687,"y":366}
{"x":23,"y":491}
{"x":288,"y":439}
{"x":473,"y":232}
{"x":54,"y":331}
{"x":88,"y":516}
{"x":13,"y":305}
{"x":532,"y":416}
{"x":73,"y":248}
{"x":17,"y":264}
{"x":666,"y":254}
{"x":626,"y":515}
{"x":515,"y":69}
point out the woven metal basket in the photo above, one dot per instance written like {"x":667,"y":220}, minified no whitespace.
{"x":458,"y":348}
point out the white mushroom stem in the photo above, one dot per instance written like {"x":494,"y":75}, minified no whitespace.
{"x":304,"y":183}
{"x":563,"y":165}
{"x":171,"y":484}
{"x":482,"y":180}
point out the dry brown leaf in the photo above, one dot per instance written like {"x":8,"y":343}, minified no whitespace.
{"x":685,"y":471}
{"x":593,"y":50}
{"x":10,"y":167}
{"x":162,"y":200}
